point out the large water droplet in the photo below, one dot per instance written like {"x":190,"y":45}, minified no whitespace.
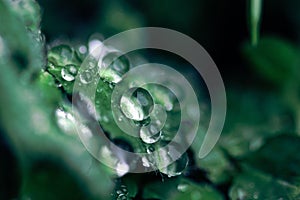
{"x":69,"y":72}
{"x":113,"y":66}
{"x":150,"y":134}
{"x":177,"y":167}
{"x":136,"y":104}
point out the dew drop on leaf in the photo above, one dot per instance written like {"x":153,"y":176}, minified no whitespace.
{"x":150,"y":134}
{"x":136,"y":104}
{"x":69,"y":72}
{"x":86,"y":77}
{"x":177,"y":167}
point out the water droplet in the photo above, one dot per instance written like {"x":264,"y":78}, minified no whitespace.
{"x":136,"y":104}
{"x":146,"y":162}
{"x":130,"y":109}
{"x":177,"y":167}
{"x":150,"y":149}
{"x":86,"y":77}
{"x":104,"y":118}
{"x":69,"y":72}
{"x":122,"y":168}
{"x":120,"y":118}
{"x":255,"y":195}
{"x":182,"y":187}
{"x":113,"y":66}
{"x":143,"y":122}
{"x":150,"y":134}
{"x":92,"y":65}
{"x":65,"y":121}
{"x":99,"y":90}
{"x":82,"y":49}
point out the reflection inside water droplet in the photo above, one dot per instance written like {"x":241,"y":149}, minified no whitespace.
{"x":69,"y":72}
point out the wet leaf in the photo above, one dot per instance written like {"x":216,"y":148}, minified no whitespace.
{"x":255,"y":185}
{"x":275,"y":59}
{"x":178,"y":189}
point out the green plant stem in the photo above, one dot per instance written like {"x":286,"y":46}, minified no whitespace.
{"x":254,"y":18}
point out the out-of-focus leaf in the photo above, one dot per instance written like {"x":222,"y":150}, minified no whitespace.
{"x":48,"y":181}
{"x":279,"y":157}
{"x":255,"y":185}
{"x":27,"y":124}
{"x":177,"y":189}
{"x":253,"y":116}
{"x":28,"y":12}
{"x":217,"y":166}
{"x":274,"y":59}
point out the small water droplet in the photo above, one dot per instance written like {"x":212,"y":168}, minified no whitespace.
{"x":145,"y":162}
{"x":150,"y":149}
{"x":86,"y":77}
{"x":68,"y":72}
{"x":92,"y":65}
{"x":82,"y":49}
{"x":182,"y":187}
{"x":122,"y":168}
{"x":65,"y":121}
{"x":99,"y":90}
{"x":177,"y":167}
{"x":104,"y":118}
{"x":255,"y":195}
{"x":150,"y":134}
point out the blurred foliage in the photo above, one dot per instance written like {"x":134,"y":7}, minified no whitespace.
{"x":257,"y":155}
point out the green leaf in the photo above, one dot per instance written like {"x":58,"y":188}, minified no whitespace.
{"x":252,"y":117}
{"x":178,"y":189}
{"x":254,"y":19}
{"x":27,"y":119}
{"x":217,"y":166}
{"x":274,"y":59}
{"x":255,"y":185}
{"x":47,"y":88}
{"x":28,"y":14}
{"x":49,"y":181}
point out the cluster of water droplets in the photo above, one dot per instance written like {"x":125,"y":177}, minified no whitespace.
{"x":150,"y":115}
{"x":148,"y":109}
{"x":121,"y":193}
